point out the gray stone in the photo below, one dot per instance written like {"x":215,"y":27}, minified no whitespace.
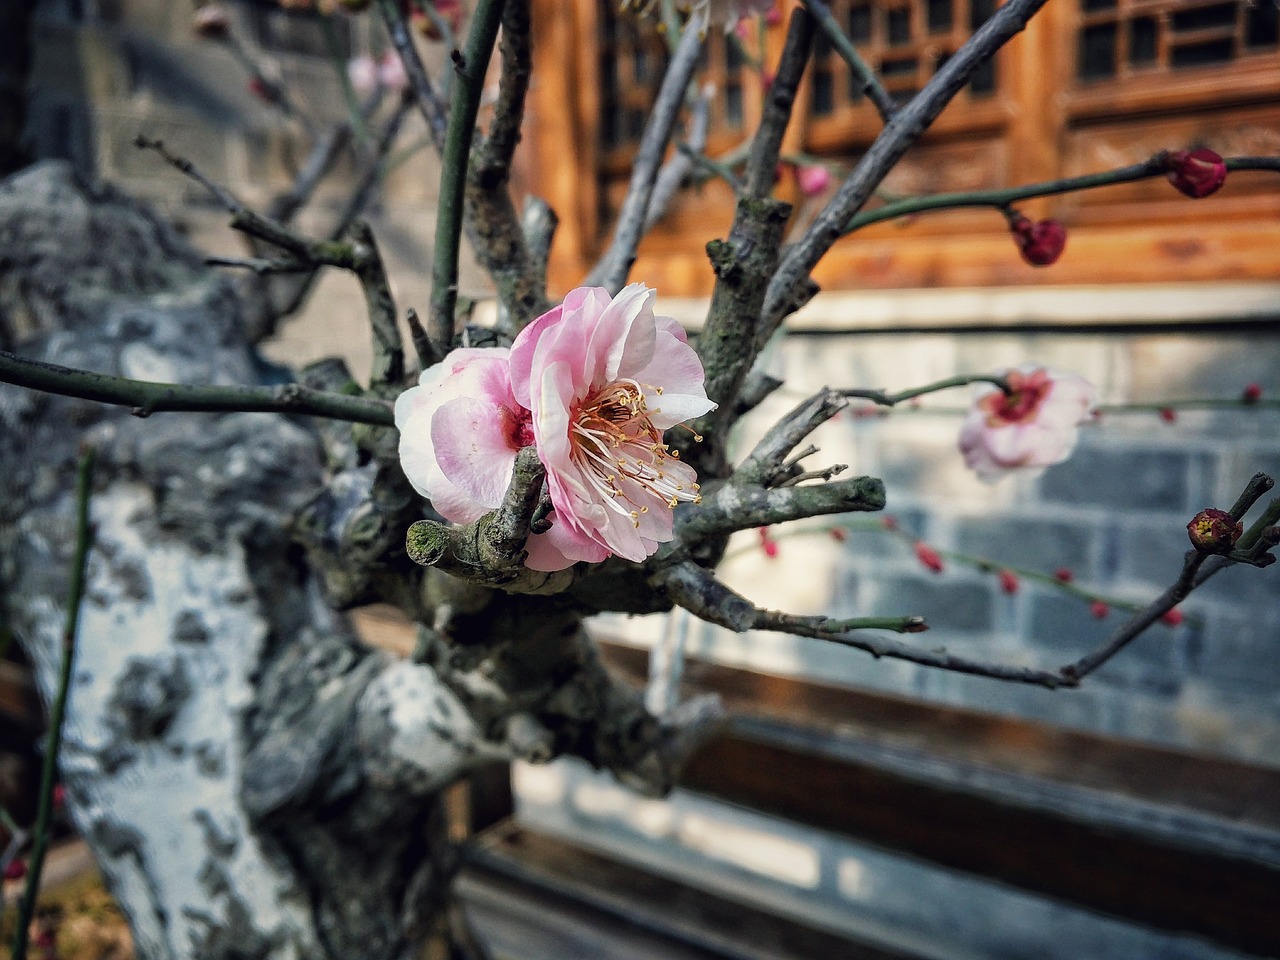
{"x":1130,"y":479}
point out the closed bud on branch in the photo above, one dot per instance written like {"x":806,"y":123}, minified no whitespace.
{"x":1196,"y":173}
{"x":928,"y":556}
{"x":1040,"y":243}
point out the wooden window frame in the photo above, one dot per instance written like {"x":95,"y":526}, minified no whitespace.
{"x":1039,"y":126}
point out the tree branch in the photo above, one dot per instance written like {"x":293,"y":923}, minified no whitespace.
{"x":429,"y":103}
{"x":791,"y":286}
{"x":762,"y":161}
{"x":58,"y":709}
{"x":463,"y":108}
{"x":868,"y":83}
{"x":611,"y":272}
{"x":147,"y":397}
{"x":1001,"y":199}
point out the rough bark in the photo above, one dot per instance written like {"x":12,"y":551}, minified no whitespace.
{"x":254,"y":782}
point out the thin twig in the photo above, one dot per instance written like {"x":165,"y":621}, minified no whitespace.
{"x":612,"y":269}
{"x":375,"y":168}
{"x":261,"y":265}
{"x":430,"y":105}
{"x":58,"y":709}
{"x":148,"y":397}
{"x":1001,"y":199}
{"x":250,"y":221}
{"x":499,"y":147}
{"x":678,"y":165}
{"x":762,"y":162}
{"x":881,"y":398}
{"x":470,"y":65}
{"x":868,"y":83}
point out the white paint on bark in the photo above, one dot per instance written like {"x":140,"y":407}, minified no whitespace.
{"x":158,"y":800}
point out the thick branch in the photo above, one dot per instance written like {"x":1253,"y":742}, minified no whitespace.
{"x":147,"y":397}
{"x":612,"y":270}
{"x":733,"y":507}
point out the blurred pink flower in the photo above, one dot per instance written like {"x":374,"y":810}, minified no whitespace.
{"x":813,"y":180}
{"x":603,"y":379}
{"x":391,"y":73}
{"x":363,"y":74}
{"x":1032,"y":426}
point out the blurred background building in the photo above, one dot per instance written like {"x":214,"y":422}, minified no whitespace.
{"x":1172,"y":747}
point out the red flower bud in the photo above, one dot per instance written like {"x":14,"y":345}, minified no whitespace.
{"x":1040,"y":243}
{"x":928,"y":556}
{"x":1197,"y":173}
{"x":1008,"y":581}
{"x":839,"y":534}
{"x":1168,"y":414}
{"x":889,"y":522}
{"x":1099,"y":610}
{"x":916,"y":625}
{"x":15,"y":869}
{"x":1214,"y":531}
{"x":1172,"y":617}
{"x":59,"y":797}
{"x":1252,"y":393}
{"x":1063,"y":575}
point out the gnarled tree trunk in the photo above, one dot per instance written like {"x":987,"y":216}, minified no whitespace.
{"x":253,"y":782}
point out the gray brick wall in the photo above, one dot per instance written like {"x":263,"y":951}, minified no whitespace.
{"x":1114,"y":513}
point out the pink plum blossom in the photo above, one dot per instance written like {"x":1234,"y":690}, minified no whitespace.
{"x":1034,"y":425}
{"x":604,"y":378}
{"x":813,"y":180}
{"x":460,"y":430}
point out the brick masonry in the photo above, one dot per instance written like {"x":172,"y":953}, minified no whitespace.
{"x":1114,"y":514}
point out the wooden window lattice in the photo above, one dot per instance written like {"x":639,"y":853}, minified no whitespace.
{"x":1120,"y":38}
{"x":632,"y":59}
{"x":905,"y":41}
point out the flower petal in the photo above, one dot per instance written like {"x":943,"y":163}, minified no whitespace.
{"x":676,"y":368}
{"x":473,"y":446}
{"x":561,"y":547}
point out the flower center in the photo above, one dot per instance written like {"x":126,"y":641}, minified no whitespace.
{"x":1027,"y":395}
{"x":520,"y":430}
{"x":621,"y":454}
